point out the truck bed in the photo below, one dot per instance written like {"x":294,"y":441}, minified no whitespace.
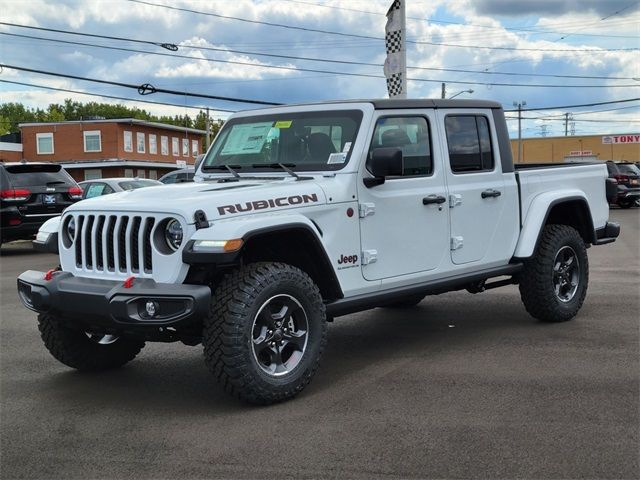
{"x":564,"y":180}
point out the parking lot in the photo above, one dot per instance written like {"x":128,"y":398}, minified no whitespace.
{"x":462,"y":386}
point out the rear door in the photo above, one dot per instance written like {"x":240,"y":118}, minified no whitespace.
{"x":483,"y":208}
{"x":401,"y":234}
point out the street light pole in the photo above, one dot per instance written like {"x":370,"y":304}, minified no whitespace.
{"x":444,"y":91}
{"x":520,"y":104}
{"x":463,"y":91}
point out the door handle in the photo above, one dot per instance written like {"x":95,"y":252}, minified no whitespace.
{"x":431,"y":199}
{"x":490,"y":193}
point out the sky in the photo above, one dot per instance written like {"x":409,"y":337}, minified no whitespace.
{"x":542,"y":49}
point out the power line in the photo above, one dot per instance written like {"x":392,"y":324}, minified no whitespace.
{"x":564,"y":107}
{"x":221,"y":110}
{"x":293,"y":57}
{"x":444,"y":22}
{"x":369,"y":37}
{"x":352,"y":74}
{"x":145,"y":89}
{"x":114,"y":97}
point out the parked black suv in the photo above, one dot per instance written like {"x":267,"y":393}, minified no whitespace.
{"x":627,"y":178}
{"x":30,"y":194}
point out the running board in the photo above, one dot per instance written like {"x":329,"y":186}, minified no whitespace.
{"x":358,"y":303}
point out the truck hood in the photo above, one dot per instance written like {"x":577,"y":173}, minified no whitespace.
{"x":217,"y":200}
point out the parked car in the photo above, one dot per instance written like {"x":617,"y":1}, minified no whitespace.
{"x":306,"y":213}
{"x":47,"y":236}
{"x":627,"y":181}
{"x":184,"y":174}
{"x":30,"y":194}
{"x":179,"y":176}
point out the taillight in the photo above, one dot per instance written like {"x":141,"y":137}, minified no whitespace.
{"x":75,"y":193}
{"x":622,"y":178}
{"x":17,"y":195}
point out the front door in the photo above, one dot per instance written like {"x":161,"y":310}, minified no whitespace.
{"x":404,"y":222}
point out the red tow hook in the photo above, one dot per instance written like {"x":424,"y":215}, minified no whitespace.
{"x":49,"y":275}
{"x":128,"y":283}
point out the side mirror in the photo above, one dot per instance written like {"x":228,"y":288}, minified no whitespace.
{"x":384,"y":162}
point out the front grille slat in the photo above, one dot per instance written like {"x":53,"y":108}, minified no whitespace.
{"x":114,"y":244}
{"x":148,"y":256}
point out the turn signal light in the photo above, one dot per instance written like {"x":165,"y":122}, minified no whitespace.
{"x":75,"y":193}
{"x":14,"y":195}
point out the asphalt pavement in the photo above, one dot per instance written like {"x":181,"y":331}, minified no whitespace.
{"x":462,"y":386}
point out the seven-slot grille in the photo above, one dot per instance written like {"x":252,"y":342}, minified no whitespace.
{"x":120,"y":244}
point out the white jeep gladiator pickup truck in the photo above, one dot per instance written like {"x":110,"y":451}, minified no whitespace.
{"x":301,"y":214}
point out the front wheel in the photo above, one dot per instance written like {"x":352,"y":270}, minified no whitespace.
{"x":265,"y":333}
{"x":86,"y":351}
{"x":553,"y":283}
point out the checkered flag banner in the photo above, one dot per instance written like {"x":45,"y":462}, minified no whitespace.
{"x":395,"y":65}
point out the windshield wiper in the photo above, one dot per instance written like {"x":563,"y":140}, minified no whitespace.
{"x":284,"y":166}
{"x":229,"y":168}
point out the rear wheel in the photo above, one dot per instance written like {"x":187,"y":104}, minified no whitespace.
{"x":553,"y":283}
{"x":625,"y":204}
{"x":265,"y":333}
{"x":86,"y":351}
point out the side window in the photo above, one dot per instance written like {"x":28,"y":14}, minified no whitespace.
{"x":469,"y":143}
{"x":411,"y":135}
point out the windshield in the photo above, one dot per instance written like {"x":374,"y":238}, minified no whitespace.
{"x":304,"y":141}
{"x":135,"y":184}
{"x":628,"y":169}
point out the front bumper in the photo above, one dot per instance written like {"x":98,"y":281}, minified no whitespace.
{"x":109,"y":305}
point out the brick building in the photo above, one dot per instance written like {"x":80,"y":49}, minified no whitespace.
{"x":617,"y":147}
{"x":129,"y":147}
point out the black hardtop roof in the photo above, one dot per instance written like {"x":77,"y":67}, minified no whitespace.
{"x":402,"y":103}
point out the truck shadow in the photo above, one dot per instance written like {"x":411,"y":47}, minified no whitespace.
{"x":179,"y":380}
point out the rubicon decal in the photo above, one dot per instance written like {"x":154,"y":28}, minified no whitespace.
{"x":270,"y":203}
{"x":347,"y":261}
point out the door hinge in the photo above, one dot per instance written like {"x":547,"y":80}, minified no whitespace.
{"x":457,"y":242}
{"x":369,"y":256}
{"x":366,"y":209}
{"x":455,"y":199}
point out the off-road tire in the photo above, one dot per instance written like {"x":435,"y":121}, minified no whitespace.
{"x":227,"y":333}
{"x":407,"y":302}
{"x":76,"y":350}
{"x":536,"y":279}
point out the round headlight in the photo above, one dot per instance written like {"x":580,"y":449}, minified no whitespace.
{"x":173,"y":234}
{"x":71,"y":228}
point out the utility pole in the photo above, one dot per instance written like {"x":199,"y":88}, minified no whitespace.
{"x":208,"y":129}
{"x":566,"y":124}
{"x":520,"y":104}
{"x":444,"y":91}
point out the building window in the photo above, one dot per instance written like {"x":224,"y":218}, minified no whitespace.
{"x":128,"y":172}
{"x":194,"y":148}
{"x":140,"y":174}
{"x":92,"y":141}
{"x":153,"y":144}
{"x":44,"y":143}
{"x":153,"y":174}
{"x":128,"y":141}
{"x":175,"y":146}
{"x":185,"y":147}
{"x":140,"y":142}
{"x":164,"y":145}
{"x":92,"y":174}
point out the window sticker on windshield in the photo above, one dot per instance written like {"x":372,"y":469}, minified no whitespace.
{"x":283,"y":124}
{"x":337,"y":158}
{"x":346,"y":147}
{"x":247,"y":138}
